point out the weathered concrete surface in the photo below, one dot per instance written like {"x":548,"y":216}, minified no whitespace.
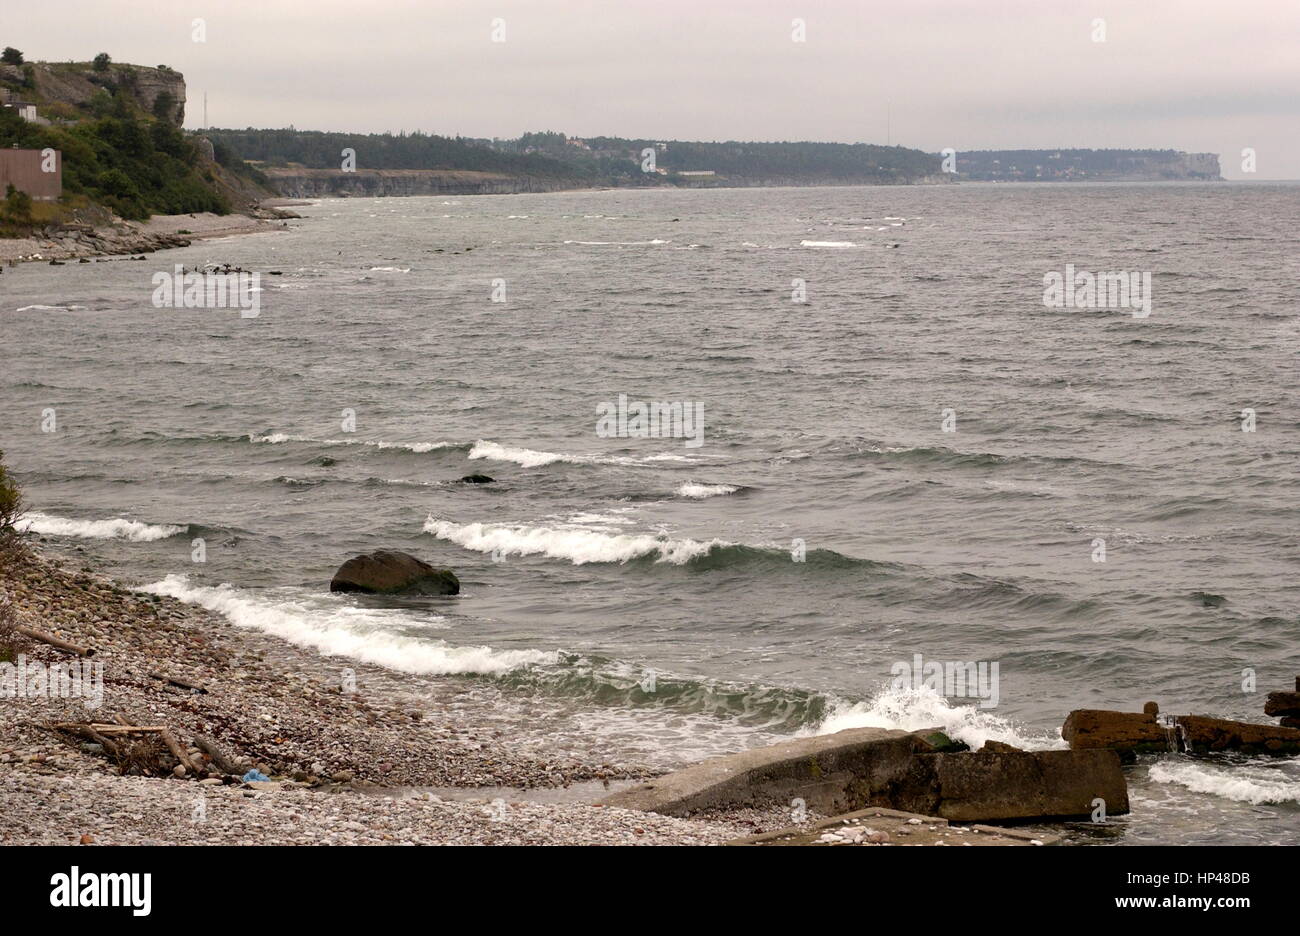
{"x":833,"y":774}
{"x":1089,"y":729}
{"x":878,"y":826}
{"x":992,"y":787}
{"x":1202,"y":735}
{"x":875,"y":767}
{"x":1281,"y":704}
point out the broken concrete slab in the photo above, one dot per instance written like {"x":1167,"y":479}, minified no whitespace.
{"x":1013,"y":785}
{"x":1202,"y":735}
{"x":832,"y":774}
{"x":875,"y":767}
{"x":1282,"y":704}
{"x":879,"y":826}
{"x":1137,"y":732}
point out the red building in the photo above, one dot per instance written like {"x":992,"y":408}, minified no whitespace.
{"x":39,"y":173}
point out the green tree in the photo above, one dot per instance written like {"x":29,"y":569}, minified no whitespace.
{"x":101,"y":103}
{"x":163,"y":105}
{"x":11,"y":56}
{"x":102,"y":61}
{"x":18,"y":205}
{"x":11,"y":502}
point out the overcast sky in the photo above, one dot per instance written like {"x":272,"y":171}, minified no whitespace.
{"x":971,"y":74}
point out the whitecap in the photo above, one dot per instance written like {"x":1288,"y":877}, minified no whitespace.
{"x":1235,"y":782}
{"x":279,"y":438}
{"x":577,"y":546}
{"x":534,"y":458}
{"x":335,"y":629}
{"x":134,"y":531}
{"x":692,"y":489}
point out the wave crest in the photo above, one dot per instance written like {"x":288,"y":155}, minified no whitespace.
{"x":915,"y":709}
{"x":134,"y":531}
{"x":575,"y":545}
{"x":341,"y":630}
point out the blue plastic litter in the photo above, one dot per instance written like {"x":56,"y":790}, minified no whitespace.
{"x":255,"y":775}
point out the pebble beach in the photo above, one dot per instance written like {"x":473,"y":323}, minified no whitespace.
{"x":344,"y":767}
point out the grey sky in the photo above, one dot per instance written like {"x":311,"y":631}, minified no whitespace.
{"x":1185,"y":74}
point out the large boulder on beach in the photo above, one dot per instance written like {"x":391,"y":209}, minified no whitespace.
{"x":390,"y":572}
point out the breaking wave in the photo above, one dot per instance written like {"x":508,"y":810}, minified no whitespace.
{"x":575,"y":545}
{"x":335,"y":629}
{"x":1234,"y":782}
{"x":915,"y":709}
{"x":699,"y":491}
{"x":279,"y":438}
{"x":117,"y":528}
{"x":533,"y":458}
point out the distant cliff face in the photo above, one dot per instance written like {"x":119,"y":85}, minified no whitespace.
{"x":1068,"y":165}
{"x":1200,"y":165}
{"x":75,"y":83}
{"x":731,"y":181}
{"x":327,"y":183}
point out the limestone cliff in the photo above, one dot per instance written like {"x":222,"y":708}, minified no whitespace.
{"x":1086,"y":165}
{"x":59,"y":89}
{"x":328,"y":183}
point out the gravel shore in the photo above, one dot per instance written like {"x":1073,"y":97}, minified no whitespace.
{"x":345,"y":766}
{"x":135,"y":237}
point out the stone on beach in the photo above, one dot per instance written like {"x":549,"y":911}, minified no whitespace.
{"x":389,"y":572}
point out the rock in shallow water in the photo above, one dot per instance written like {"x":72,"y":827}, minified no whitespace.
{"x":391,"y":572}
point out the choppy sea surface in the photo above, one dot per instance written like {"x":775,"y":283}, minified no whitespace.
{"x":646,"y":591}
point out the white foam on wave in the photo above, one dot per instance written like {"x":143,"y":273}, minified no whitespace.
{"x":649,"y":243}
{"x":51,"y":308}
{"x":390,"y":269}
{"x":279,"y":438}
{"x":336,"y":629}
{"x":134,"y":531}
{"x":578,"y":546}
{"x":914,"y":709}
{"x":813,"y":243}
{"x":533,"y":458}
{"x":692,"y":489}
{"x":1235,"y":782}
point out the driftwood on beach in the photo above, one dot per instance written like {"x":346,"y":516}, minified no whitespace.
{"x":179,"y":683}
{"x":103,"y":733}
{"x":53,"y":641}
{"x":223,"y":761}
